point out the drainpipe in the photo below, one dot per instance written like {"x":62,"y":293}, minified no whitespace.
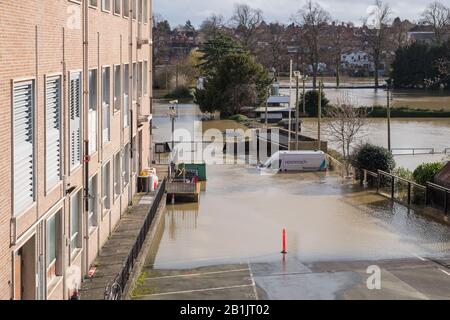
{"x":85,"y":114}
{"x":130,"y":85}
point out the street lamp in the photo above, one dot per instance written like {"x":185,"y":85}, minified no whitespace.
{"x":173,"y":114}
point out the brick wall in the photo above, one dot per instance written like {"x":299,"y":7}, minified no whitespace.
{"x":36,"y":37}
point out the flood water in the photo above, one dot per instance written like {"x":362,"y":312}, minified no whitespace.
{"x":241,"y":214}
{"x":405,"y":133}
{"x":415,"y":99}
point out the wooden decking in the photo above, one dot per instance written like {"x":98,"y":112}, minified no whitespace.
{"x":183,"y":190}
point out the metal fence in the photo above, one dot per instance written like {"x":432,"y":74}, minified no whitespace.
{"x":407,"y":192}
{"x":418,"y":151}
{"x":114,"y":290}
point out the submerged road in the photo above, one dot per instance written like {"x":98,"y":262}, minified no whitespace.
{"x":228,"y":246}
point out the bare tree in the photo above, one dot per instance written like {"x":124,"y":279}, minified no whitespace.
{"x":246,"y":21}
{"x":438,"y":16}
{"x":376,"y":33}
{"x":212,"y":26}
{"x":312,"y":17}
{"x":337,"y":47}
{"x":347,"y":120}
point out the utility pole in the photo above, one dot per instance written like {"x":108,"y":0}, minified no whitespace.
{"x":319,"y":117}
{"x":304,"y":94}
{"x":290,"y":106}
{"x":297,"y":110}
{"x":389,"y":115}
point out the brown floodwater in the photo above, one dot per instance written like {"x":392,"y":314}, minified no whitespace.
{"x":405,"y":133}
{"x":241,"y":216}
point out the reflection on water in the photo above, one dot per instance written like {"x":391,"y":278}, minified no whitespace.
{"x":242,"y":214}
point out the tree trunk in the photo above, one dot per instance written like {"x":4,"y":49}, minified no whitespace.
{"x":338,"y":77}
{"x":377,"y":67}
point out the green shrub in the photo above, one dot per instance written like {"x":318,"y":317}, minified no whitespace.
{"x":426,"y":172}
{"x":239,"y":118}
{"x":180,"y":93}
{"x":312,"y":103}
{"x":403,"y":173}
{"x":373,"y":158}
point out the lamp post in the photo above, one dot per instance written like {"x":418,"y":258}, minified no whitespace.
{"x":173,"y":114}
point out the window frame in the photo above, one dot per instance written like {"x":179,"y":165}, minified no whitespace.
{"x":31,"y":80}
{"x":105,"y":142}
{"x":77,"y":236}
{"x":106,"y":209}
{"x":103,"y":2}
{"x":117,"y":103}
{"x":49,"y":188}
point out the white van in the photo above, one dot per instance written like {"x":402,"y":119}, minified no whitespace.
{"x":285,"y":161}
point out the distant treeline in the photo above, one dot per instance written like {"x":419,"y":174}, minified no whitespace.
{"x":422,"y":66}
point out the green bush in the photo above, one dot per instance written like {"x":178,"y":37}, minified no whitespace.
{"x":180,"y":93}
{"x":426,"y":172}
{"x":312,"y":103}
{"x":403,"y":173}
{"x":373,"y":158}
{"x":239,"y":118}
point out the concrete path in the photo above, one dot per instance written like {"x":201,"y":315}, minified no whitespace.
{"x":413,"y":278}
{"x":116,"y":249}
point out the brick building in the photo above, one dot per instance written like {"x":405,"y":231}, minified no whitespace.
{"x":75,"y":108}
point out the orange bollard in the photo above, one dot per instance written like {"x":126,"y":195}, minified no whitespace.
{"x":284,"y":242}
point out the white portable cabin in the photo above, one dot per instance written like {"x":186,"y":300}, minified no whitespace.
{"x":297,"y":161}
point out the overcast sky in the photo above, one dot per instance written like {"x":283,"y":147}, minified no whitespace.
{"x":178,"y":11}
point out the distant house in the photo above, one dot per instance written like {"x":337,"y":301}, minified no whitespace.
{"x":357,"y":59}
{"x":423,"y":34}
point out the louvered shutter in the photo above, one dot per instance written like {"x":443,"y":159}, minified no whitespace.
{"x":53,"y":131}
{"x":23,"y":118}
{"x":75,"y":119}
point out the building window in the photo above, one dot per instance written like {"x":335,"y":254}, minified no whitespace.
{"x":139,"y":81}
{"x":106,"y":103}
{"x":93,"y":3}
{"x":92,"y":207}
{"x":140,"y":10}
{"x":126,"y":95}
{"x":145,"y":11}
{"x":53,"y":110}
{"x":75,"y":119}
{"x":126,"y":165}
{"x":92,"y":116}
{"x":134,"y":8}
{"x":117,"y":87}
{"x":106,"y":5}
{"x":75,"y":218}
{"x":23,"y":127}
{"x":106,"y":186}
{"x":117,"y":174}
{"x":117,"y":6}
{"x":145,"y":81}
{"x":126,"y":8}
{"x":53,"y":236}
{"x":135,"y":81}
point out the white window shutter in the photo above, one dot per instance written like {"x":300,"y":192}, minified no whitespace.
{"x":23,"y":119}
{"x":75,"y":119}
{"x":53,"y":131}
